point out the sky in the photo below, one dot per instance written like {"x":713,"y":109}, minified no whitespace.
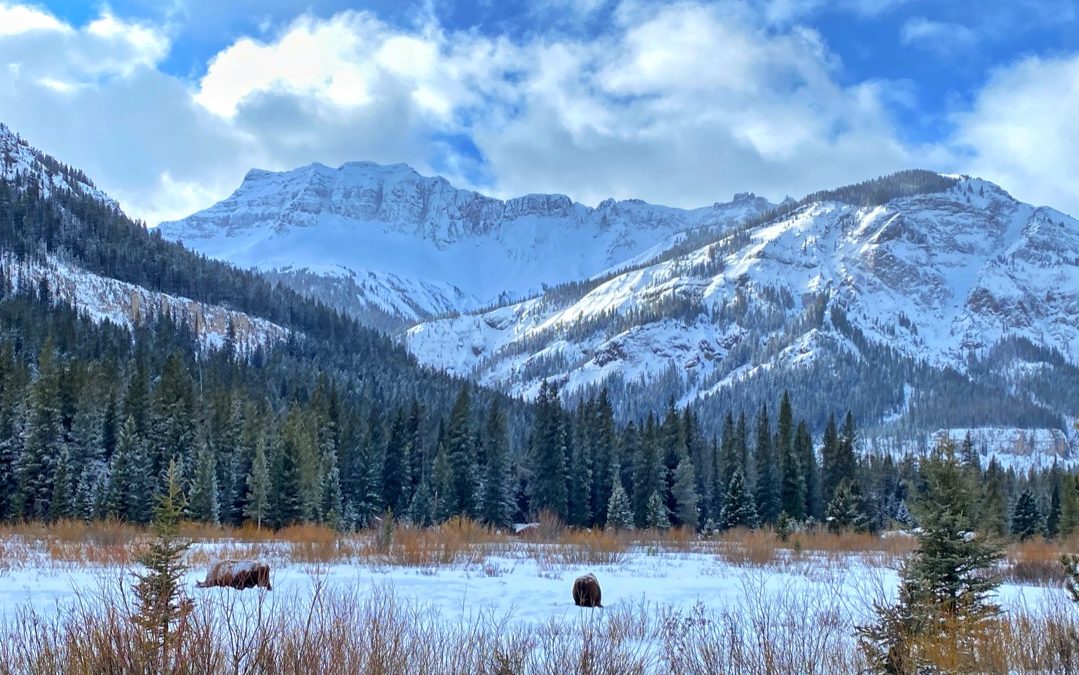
{"x":166,"y":104}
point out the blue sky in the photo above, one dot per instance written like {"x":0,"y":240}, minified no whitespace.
{"x":167,"y":104}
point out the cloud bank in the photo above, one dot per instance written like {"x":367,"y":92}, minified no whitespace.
{"x":682,"y":104}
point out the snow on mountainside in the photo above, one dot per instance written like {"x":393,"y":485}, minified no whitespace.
{"x":17,"y":157}
{"x":932,"y":283}
{"x":386,"y":239}
{"x":104,"y":299}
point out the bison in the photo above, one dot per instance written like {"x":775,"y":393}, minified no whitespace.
{"x":586,"y":591}
{"x":238,"y":574}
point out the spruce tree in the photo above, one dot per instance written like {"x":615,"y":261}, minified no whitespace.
{"x":1052,"y":515}
{"x":767,"y":492}
{"x":1069,"y":505}
{"x":44,"y":439}
{"x":460,"y":450}
{"x":420,"y":511}
{"x":579,"y":480}
{"x":159,"y":590}
{"x":1026,"y":516}
{"x":549,"y":454}
{"x":285,"y":505}
{"x":656,"y":516}
{"x":202,"y":503}
{"x":685,"y":494}
{"x":739,"y":509}
{"x":395,"y":471}
{"x":495,"y":503}
{"x":993,"y":505}
{"x":803,"y":449}
{"x":619,"y":509}
{"x":943,"y":606}
{"x":257,"y":499}
{"x":845,"y":510}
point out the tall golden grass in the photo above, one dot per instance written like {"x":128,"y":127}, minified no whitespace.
{"x":332,"y":632}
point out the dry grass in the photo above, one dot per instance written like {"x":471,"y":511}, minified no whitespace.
{"x":327,"y":631}
{"x":1037,"y":561}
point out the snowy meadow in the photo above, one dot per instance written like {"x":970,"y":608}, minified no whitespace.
{"x":462,"y":598}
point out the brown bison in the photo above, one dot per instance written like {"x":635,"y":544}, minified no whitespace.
{"x":586,"y":591}
{"x":238,"y":574}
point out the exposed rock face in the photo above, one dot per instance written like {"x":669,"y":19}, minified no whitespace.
{"x":397,"y":246}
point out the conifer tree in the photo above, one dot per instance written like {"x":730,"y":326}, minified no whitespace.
{"x":792,"y":488}
{"x":767,"y":483}
{"x":803,"y":449}
{"x":442,"y":475}
{"x":1026,"y":516}
{"x":285,"y":506}
{"x":44,"y":438}
{"x":159,"y":590}
{"x":656,"y":516}
{"x":257,"y":500}
{"x":993,"y":507}
{"x":646,"y":470}
{"x":420,"y":510}
{"x":945,"y":588}
{"x":845,"y":510}
{"x":395,"y":472}
{"x":604,"y":454}
{"x":579,"y":482}
{"x":495,"y":504}
{"x":832,"y":473}
{"x":549,"y":454}
{"x":619,"y":509}
{"x":1069,"y":505}
{"x":685,"y":494}
{"x":739,"y":509}
{"x":460,"y":450}
{"x":202,"y":501}
{"x":1053,"y":514}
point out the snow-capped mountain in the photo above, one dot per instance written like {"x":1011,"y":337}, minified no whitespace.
{"x":385,"y":240}
{"x":102,"y":298}
{"x":893,"y":293}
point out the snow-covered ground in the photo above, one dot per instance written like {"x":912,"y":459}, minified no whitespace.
{"x":521,"y":588}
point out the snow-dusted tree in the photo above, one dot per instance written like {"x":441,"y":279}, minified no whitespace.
{"x":202,"y":503}
{"x":619,"y":509}
{"x":685,"y":494}
{"x":656,"y":515}
{"x":739,"y":509}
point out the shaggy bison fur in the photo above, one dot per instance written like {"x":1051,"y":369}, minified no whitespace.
{"x":238,"y":574}
{"x":586,"y":591}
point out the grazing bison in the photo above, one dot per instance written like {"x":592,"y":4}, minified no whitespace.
{"x":238,"y":574}
{"x":586,"y":591}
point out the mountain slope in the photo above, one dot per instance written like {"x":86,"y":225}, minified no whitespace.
{"x":885,"y":296}
{"x":386,"y":241}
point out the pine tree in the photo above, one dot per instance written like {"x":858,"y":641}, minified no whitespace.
{"x":767,"y":485}
{"x":549,"y":454}
{"x":159,"y":590}
{"x":832,"y":471}
{"x":332,"y":508}
{"x":420,"y":510}
{"x":285,"y":506}
{"x":619,"y":509}
{"x":803,"y":449}
{"x":685,"y":494}
{"x":646,"y":468}
{"x":604,"y":455}
{"x":44,"y":439}
{"x":495,"y":504}
{"x":993,"y":506}
{"x":257,"y":500}
{"x":845,"y":509}
{"x":1069,"y":505}
{"x":442,"y":474}
{"x":792,"y":483}
{"x":1052,"y":515}
{"x":1026,"y":516}
{"x":579,"y":481}
{"x":945,"y":588}
{"x":460,"y":451}
{"x":739,"y":509}
{"x":395,"y":471}
{"x":657,"y":516}
{"x":119,"y":499}
{"x":202,"y":501}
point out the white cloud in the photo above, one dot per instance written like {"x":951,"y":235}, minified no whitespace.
{"x":16,"y":19}
{"x":1022,"y":132}
{"x":938,"y":36}
{"x":682,"y":104}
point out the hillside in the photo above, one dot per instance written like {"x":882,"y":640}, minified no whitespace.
{"x":954,"y":306}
